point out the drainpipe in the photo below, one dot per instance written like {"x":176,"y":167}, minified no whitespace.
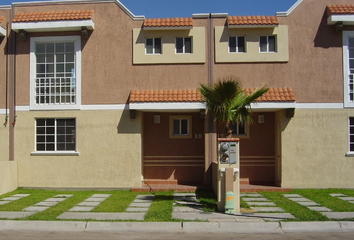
{"x":11,"y":50}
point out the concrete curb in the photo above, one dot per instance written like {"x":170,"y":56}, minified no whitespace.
{"x":188,"y":227}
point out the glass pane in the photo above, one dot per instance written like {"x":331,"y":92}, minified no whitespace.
{"x":40,"y":58}
{"x":40,"y":139}
{"x":50,"y":147}
{"x":40,"y":68}
{"x":352,"y":147}
{"x":40,"y":122}
{"x":50,"y":48}
{"x":61,"y":146}
{"x":50,"y":68}
{"x":59,"y":47}
{"x":149,"y":46}
{"x":176,"y":127}
{"x":179,"y":45}
{"x":351,"y":42}
{"x":70,"y":57}
{"x":50,"y":122}
{"x":40,"y":48}
{"x":272,"y":44}
{"x":188,"y":45}
{"x":352,"y":139}
{"x":70,"y":146}
{"x":241,"y":44}
{"x":49,"y":138}
{"x":351,"y":121}
{"x":351,"y":63}
{"x":70,"y":122}
{"x":61,"y":138}
{"x":70,"y":47}
{"x":351,"y":53}
{"x":50,"y":130}
{"x":232,"y":44}
{"x":50,"y":58}
{"x":40,"y":147}
{"x":263,"y":43}
{"x":184,"y":127}
{"x":60,"y":67}
{"x":241,"y":129}
{"x":69,"y":67}
{"x":157,"y":45}
{"x":61,"y":130}
{"x":40,"y":130}
{"x":60,"y":58}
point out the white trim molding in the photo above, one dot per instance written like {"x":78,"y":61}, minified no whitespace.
{"x":272,"y":106}
{"x":54,"y":26}
{"x":191,"y":106}
{"x":292,"y":8}
{"x":345,"y":18}
{"x":346,"y":68}
{"x":2,"y":32}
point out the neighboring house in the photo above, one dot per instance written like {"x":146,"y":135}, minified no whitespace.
{"x":100,"y":98}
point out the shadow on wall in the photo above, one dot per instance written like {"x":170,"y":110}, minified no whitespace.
{"x":127,"y":125}
{"x":326,"y":36}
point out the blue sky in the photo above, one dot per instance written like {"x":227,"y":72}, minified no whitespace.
{"x":185,"y":8}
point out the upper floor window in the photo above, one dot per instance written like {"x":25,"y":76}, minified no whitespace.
{"x":55,"y":72}
{"x":184,"y":45}
{"x":153,"y":46}
{"x":237,"y":44}
{"x":55,"y":135}
{"x":348,"y":68}
{"x":238,"y":129}
{"x":267,"y":44}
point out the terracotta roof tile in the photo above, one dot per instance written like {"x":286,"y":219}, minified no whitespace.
{"x":136,"y":96}
{"x":275,"y":95}
{"x":53,"y":16}
{"x":340,"y":9}
{"x":168,"y":22}
{"x":1,"y":19}
{"x":252,"y":20}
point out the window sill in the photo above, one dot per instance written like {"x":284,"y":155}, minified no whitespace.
{"x":349,"y":154}
{"x":55,"y":153}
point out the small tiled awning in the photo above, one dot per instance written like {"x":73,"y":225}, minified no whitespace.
{"x":2,"y":30}
{"x":168,"y":23}
{"x":252,"y":21}
{"x":146,"y":100}
{"x":53,"y":21}
{"x":340,"y":13}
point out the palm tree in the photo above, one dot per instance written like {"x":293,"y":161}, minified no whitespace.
{"x":229,"y":103}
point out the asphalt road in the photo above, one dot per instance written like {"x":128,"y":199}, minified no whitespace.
{"x":79,"y":235}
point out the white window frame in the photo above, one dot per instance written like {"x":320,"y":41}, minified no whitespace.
{"x":237,"y":44}
{"x":184,"y":45}
{"x":33,"y":71}
{"x":153,"y":46}
{"x":275,"y":42}
{"x":189,"y":125}
{"x":346,"y":70}
{"x":55,"y":152}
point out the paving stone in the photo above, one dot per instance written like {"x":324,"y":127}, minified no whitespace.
{"x":80,"y":209}
{"x":338,"y":215}
{"x":141,"y":201}
{"x":91,"y":199}
{"x":267,"y":209}
{"x":308,"y":203}
{"x":55,"y":199}
{"x":187,"y":203}
{"x":146,"y":205}
{"x":48,"y":204}
{"x":145,"y":197}
{"x":292,"y":195}
{"x":275,"y":216}
{"x":184,"y":195}
{"x":200,"y":216}
{"x":337,"y":195}
{"x":21,"y":195}
{"x":350,"y":201}
{"x":89,"y":204}
{"x":136,"y":209}
{"x":63,"y":195}
{"x":300,"y":199}
{"x":255,"y":199}
{"x":14,"y":215}
{"x":101,"y":195}
{"x":261,"y":203}
{"x":35,"y":209}
{"x":10,"y":198}
{"x":186,"y":209}
{"x":102,"y":216}
{"x":4,"y":202}
{"x":347,"y":198}
{"x":189,"y":199}
{"x":320,"y":209}
{"x":250,"y":195}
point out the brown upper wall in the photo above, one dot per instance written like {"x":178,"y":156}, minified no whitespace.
{"x":314,"y":69}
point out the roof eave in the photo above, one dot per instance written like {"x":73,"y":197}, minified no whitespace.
{"x":53,"y":26}
{"x":167,"y":106}
{"x":169,"y":28}
{"x":253,"y":26}
{"x":347,"y":19}
{"x":271,"y":106}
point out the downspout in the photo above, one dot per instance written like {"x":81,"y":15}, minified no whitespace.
{"x":6,"y":78}
{"x":12,"y":88}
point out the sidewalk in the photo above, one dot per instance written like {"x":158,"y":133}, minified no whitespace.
{"x":187,"y":227}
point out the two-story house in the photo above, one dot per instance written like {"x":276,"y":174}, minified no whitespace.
{"x":100,"y":98}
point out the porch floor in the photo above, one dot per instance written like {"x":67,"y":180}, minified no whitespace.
{"x":244,"y":188}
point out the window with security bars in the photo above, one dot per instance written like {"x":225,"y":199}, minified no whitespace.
{"x":55,"y":134}
{"x":55,"y":73}
{"x":351,"y":134}
{"x":237,"y":45}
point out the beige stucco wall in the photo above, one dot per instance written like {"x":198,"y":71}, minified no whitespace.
{"x":169,"y":54}
{"x":252,"y":54}
{"x":314,"y":145}
{"x":109,"y":147}
{"x":4,"y":139}
{"x":8,"y":176}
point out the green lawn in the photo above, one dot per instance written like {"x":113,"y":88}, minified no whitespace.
{"x":161,"y":207}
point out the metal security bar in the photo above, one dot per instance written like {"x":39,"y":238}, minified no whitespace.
{"x":55,"y":90}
